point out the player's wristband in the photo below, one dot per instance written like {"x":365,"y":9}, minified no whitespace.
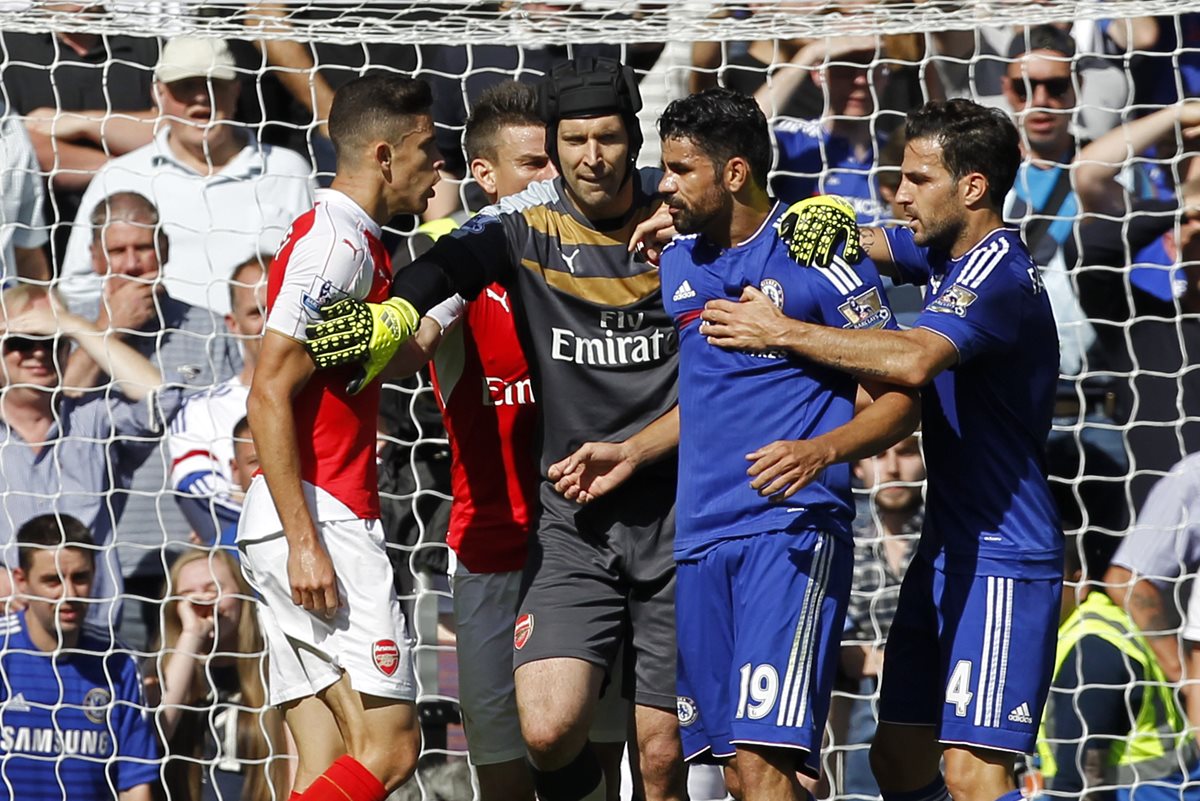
{"x":447,"y":312}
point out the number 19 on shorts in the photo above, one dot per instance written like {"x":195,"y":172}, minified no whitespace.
{"x":759,"y":690}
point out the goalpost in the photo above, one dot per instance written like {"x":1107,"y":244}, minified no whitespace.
{"x":938,"y":47}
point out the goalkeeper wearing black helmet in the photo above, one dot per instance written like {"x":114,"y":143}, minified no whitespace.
{"x":603,"y":356}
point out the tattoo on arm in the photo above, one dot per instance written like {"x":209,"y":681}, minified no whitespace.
{"x":1146,"y":604}
{"x":841,"y":363}
{"x":866,"y":237}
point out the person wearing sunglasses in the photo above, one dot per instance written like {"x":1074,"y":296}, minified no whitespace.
{"x":1044,"y":84}
{"x":72,"y":452}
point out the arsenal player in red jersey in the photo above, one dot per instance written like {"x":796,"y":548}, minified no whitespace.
{"x":482,"y":383}
{"x":310,"y":534}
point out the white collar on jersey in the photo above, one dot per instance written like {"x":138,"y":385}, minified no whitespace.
{"x":328,"y":195}
{"x":765,"y":224}
{"x":986,"y":238}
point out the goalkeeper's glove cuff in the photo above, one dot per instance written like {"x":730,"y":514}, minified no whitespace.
{"x":400,"y":317}
{"x":393,"y":323}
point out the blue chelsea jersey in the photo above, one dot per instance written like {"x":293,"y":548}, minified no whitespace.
{"x":73,"y":723}
{"x":732,"y":403}
{"x":988,"y":509}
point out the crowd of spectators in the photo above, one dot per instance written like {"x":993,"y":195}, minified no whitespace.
{"x":144,"y":183}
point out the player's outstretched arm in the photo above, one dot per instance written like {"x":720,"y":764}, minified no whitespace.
{"x":597,"y":468}
{"x":906,"y":358}
{"x":369,"y":334}
{"x":420,"y":349}
{"x":780,"y":470}
{"x":283,"y":369}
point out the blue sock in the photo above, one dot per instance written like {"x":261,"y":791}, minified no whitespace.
{"x":934,"y":791}
{"x":1012,"y":795}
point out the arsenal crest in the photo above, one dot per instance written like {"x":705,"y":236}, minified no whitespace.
{"x":523,"y":630}
{"x":386,"y":655}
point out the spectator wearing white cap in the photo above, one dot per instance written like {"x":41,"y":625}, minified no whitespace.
{"x":222,"y":195}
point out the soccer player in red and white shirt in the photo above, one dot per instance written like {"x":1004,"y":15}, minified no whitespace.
{"x":310,"y":533}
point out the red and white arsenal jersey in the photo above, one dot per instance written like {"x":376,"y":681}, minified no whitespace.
{"x":330,"y":252}
{"x":482,"y":383}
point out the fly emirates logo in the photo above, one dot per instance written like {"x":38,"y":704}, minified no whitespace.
{"x":624,"y":340}
{"x":498,"y":392}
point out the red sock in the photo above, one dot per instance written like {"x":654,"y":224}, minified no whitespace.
{"x":345,"y":780}
{"x":293,"y":796}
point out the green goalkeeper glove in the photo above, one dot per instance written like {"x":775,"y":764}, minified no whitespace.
{"x":353,"y":332}
{"x":815,"y":226}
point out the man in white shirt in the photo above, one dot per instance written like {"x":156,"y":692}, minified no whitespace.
{"x":22,"y":226}
{"x":223,"y":196}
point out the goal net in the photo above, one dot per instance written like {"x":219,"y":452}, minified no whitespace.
{"x":835,"y":80}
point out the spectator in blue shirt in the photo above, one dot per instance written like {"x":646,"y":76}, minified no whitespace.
{"x":1162,"y":49}
{"x":73,"y":724}
{"x":70,"y":453}
{"x":837,"y":154}
{"x":1133,"y":163}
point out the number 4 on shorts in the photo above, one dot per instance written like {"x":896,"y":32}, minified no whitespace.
{"x":958,"y":689}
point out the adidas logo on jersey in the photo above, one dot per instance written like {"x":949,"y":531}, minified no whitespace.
{"x":17,"y":703}
{"x":684,"y":292}
{"x":1021,"y":715}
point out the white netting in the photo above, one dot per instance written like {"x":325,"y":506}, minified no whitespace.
{"x":538,"y":23}
{"x":773,"y":48}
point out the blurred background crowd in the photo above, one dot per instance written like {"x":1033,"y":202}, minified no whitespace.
{"x":147,"y":181}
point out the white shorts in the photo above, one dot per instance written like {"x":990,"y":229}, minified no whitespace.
{"x":485,"y":611}
{"x":366,"y":639}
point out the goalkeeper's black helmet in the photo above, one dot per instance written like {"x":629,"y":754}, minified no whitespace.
{"x":590,"y":87}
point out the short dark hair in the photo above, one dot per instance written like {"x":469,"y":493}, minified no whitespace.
{"x":973,"y":139}
{"x":507,"y":104}
{"x":724,"y":124}
{"x":46,"y":532}
{"x":241,"y":429}
{"x":1042,"y":37}
{"x":369,"y":107}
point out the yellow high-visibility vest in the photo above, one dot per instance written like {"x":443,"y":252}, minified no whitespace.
{"x":1160,"y":743}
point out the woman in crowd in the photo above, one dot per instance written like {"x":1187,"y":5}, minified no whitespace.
{"x":220,"y":737}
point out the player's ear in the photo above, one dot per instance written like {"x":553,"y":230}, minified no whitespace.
{"x":484,"y":174}
{"x":973,"y":189}
{"x":383,"y":157}
{"x":860,"y":468}
{"x":737,"y":174}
